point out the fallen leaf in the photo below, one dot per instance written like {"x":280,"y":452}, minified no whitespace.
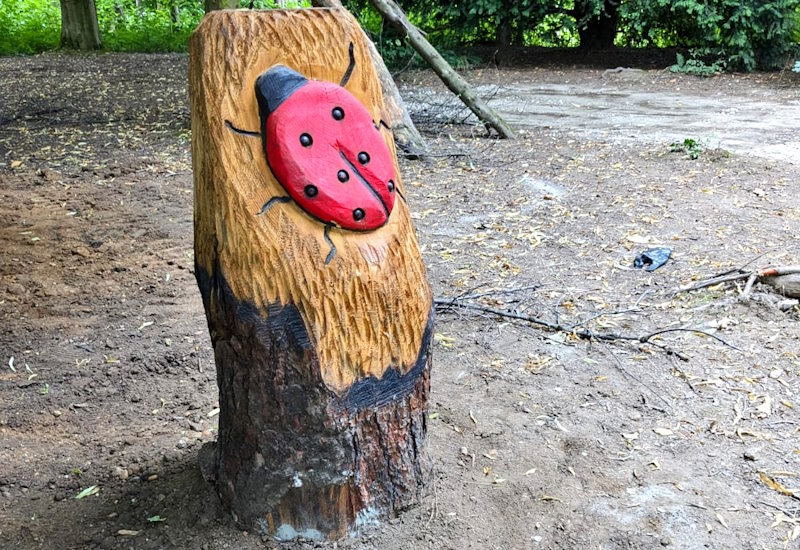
{"x":765,"y":408}
{"x":443,"y":340}
{"x":89,"y":491}
{"x":663,"y":431}
{"x":127,"y":533}
{"x":722,"y":520}
{"x":774,"y":485}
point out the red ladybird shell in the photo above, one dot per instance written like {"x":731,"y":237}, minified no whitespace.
{"x":325,"y":150}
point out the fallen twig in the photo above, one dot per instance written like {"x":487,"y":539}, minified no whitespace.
{"x":578,"y":330}
{"x":784,"y":279}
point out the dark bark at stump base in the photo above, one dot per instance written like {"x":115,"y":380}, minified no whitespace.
{"x":329,"y":464}
{"x":79,"y":27}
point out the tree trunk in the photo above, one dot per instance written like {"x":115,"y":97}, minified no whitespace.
{"x":211,"y":5}
{"x":598,"y":32}
{"x":405,"y":133}
{"x":395,"y":16}
{"x":79,"y":28}
{"x":321,"y":335}
{"x":504,"y":33}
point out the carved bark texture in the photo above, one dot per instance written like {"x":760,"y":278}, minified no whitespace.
{"x":405,"y":133}
{"x":79,"y":28}
{"x":323,"y":369}
{"x":788,"y":285}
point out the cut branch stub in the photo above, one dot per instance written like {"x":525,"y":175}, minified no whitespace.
{"x":318,"y":306}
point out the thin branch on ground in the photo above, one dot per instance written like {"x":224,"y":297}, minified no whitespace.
{"x":582,"y":332}
{"x":757,"y":275}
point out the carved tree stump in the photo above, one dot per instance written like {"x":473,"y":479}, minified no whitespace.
{"x":320,"y":315}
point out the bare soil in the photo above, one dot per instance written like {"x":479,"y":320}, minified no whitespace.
{"x":538,"y":439}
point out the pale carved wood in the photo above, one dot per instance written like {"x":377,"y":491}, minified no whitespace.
{"x":323,"y":368}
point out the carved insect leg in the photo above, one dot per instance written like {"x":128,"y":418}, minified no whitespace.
{"x":349,"y":72}
{"x":247,"y":133}
{"x":327,"y":236}
{"x":272,"y":201}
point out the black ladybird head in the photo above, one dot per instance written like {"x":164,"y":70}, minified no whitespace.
{"x":275,"y":86}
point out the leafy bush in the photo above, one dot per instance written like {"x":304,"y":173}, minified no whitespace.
{"x":29,"y":26}
{"x":697,"y":67}
{"x":746,"y":34}
{"x":690,"y":146}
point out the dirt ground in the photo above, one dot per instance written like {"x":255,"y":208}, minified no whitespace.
{"x":538,"y":439}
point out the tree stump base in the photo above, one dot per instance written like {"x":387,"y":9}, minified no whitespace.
{"x":321,"y":326}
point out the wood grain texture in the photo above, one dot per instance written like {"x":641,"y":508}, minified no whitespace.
{"x":366,"y":311}
{"x":323,"y":368}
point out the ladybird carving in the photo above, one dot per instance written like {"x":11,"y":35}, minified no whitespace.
{"x":325,"y":150}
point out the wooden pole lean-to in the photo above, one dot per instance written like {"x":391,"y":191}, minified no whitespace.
{"x":315,"y":292}
{"x":405,"y":132}
{"x":392,"y":13}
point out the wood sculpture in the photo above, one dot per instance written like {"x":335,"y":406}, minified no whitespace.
{"x":316,"y":296}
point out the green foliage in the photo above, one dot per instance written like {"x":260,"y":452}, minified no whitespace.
{"x":734,"y":34}
{"x":746,"y":34}
{"x":29,"y":26}
{"x":690,"y":146}
{"x":697,"y":67}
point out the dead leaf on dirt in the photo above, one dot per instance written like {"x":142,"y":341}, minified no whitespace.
{"x":765,"y":408}
{"x":722,"y":520}
{"x":445,"y":341}
{"x":16,"y":163}
{"x":491,"y":455}
{"x":127,"y":533}
{"x":780,"y":518}
{"x":146,"y":324}
{"x":472,"y":417}
{"x":546,"y":497}
{"x":535,"y":363}
{"x":663,"y":431}
{"x":774,"y":485}
{"x":530,"y":472}
{"x":89,"y":491}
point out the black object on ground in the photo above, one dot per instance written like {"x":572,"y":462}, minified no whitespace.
{"x":653,"y":258}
